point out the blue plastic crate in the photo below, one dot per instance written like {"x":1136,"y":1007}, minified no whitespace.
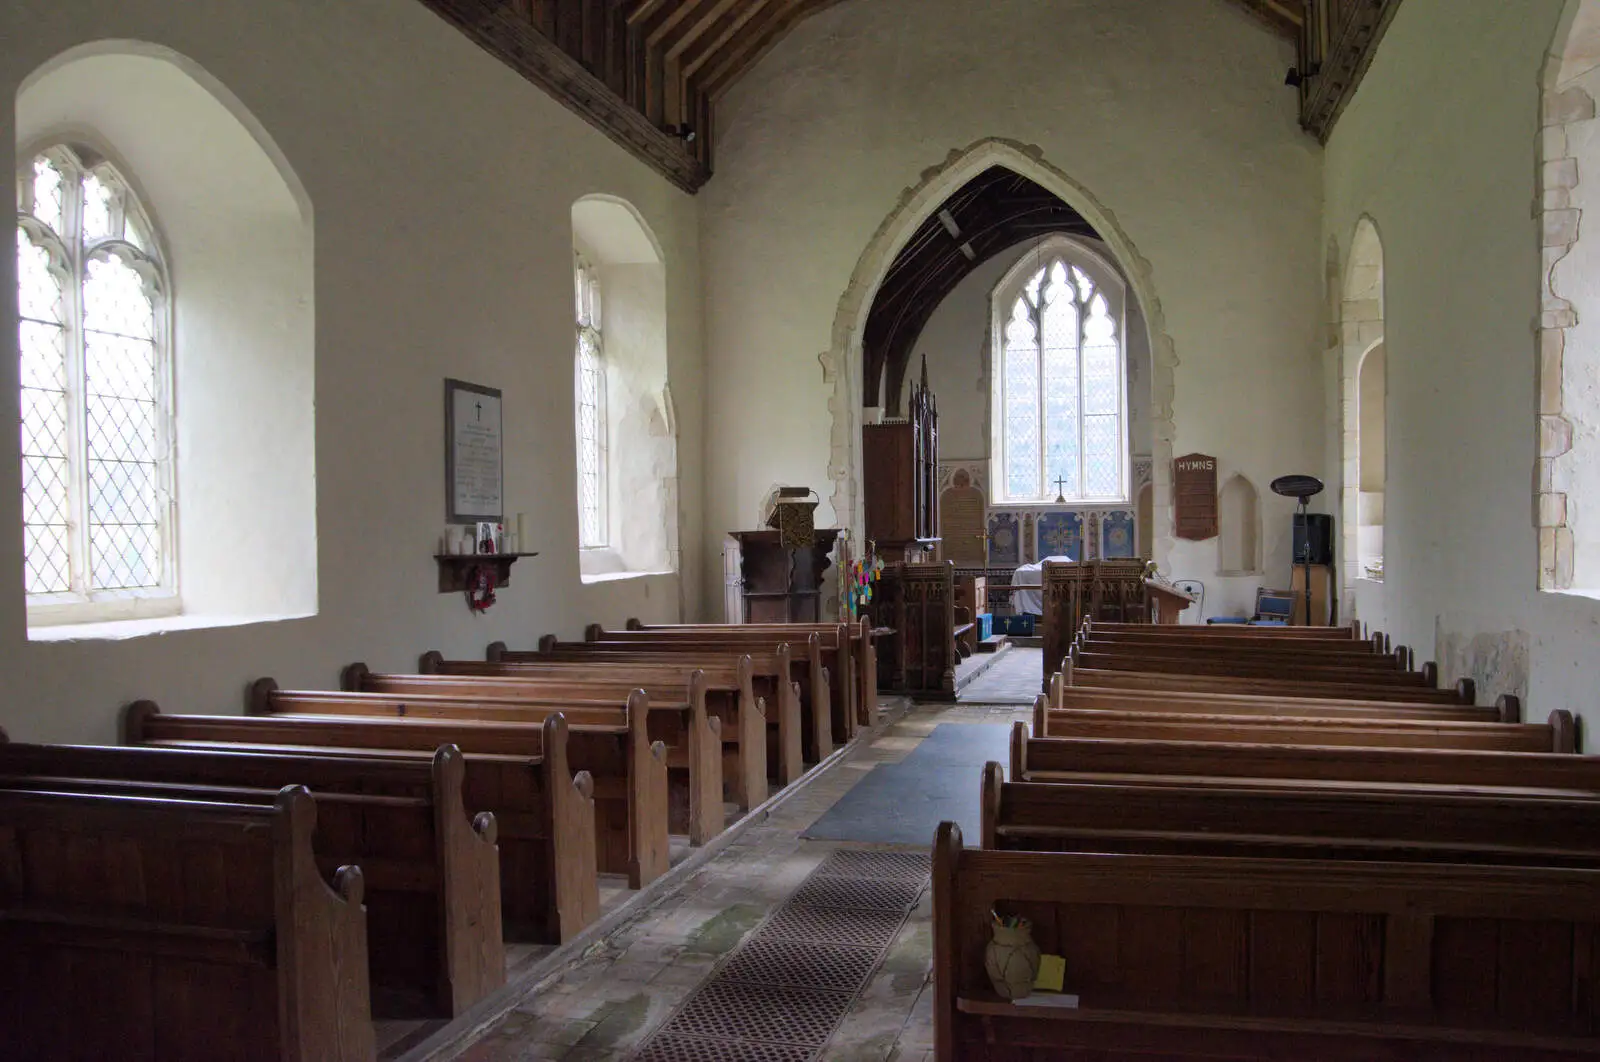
{"x":985,"y":623}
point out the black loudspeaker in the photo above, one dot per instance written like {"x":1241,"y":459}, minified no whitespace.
{"x":1319,"y":539}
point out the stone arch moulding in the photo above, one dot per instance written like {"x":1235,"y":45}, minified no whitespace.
{"x":841,"y":363}
{"x":1565,"y":106}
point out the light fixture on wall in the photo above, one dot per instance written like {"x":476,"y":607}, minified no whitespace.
{"x":683,"y":132}
{"x":1294,"y":78}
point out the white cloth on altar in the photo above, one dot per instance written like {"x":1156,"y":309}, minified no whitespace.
{"x":1032,"y":575}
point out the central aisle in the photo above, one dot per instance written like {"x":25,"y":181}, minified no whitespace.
{"x":606,"y":1004}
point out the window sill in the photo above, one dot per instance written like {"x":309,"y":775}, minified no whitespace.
{"x":619,"y":577}
{"x":120,"y":630}
{"x":1086,"y":503}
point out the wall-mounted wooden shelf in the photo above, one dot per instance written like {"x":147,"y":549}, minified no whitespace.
{"x":453,"y":568}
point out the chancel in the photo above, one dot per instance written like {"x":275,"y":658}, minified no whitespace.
{"x":722,"y":529}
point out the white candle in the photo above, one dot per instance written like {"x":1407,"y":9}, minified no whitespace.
{"x":522,"y":531}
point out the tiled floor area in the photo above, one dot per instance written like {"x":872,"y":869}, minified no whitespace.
{"x":1014,"y":679}
{"x":609,"y":1000}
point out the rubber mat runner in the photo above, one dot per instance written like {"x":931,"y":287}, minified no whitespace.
{"x":780,"y":996}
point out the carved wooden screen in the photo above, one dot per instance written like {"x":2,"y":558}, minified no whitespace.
{"x":1112,"y":591}
{"x":918,"y":601}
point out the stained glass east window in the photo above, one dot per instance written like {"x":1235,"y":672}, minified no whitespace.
{"x":96,"y":498}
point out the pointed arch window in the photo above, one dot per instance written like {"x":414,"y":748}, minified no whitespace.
{"x":1059,"y":380}
{"x":97,"y":500}
{"x":590,"y":376}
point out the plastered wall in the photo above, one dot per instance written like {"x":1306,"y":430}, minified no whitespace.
{"x":1439,"y":148}
{"x":1171,"y":113}
{"x":442,"y":186}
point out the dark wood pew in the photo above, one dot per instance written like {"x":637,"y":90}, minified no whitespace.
{"x":833,"y":651}
{"x":1557,"y":735}
{"x":1464,"y":692}
{"x":1389,"y":823}
{"x":544,"y":811}
{"x":1188,"y":763}
{"x":1243,"y":668}
{"x":749,"y":757}
{"x":432,"y":870}
{"x":1224,"y":631}
{"x":693,"y":739}
{"x":781,"y":677}
{"x":863,"y":643}
{"x":611,"y":743}
{"x":151,"y":930}
{"x":1508,"y":709}
{"x":681,"y":714}
{"x":1190,"y":957}
{"x":1286,"y":656}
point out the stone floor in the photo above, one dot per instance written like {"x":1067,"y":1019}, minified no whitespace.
{"x":607,"y":1001}
{"x":1014,"y":679}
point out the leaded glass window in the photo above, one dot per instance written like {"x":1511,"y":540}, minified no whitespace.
{"x":590,"y":374}
{"x":96,"y":497}
{"x":1059,"y":381}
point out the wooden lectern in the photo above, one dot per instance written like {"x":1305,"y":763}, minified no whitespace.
{"x":1166,"y":601}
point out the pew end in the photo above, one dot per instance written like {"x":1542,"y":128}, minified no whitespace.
{"x":495,"y":652}
{"x":258,"y":696}
{"x":353,"y":678}
{"x":5,"y":739}
{"x":1430,"y":675}
{"x":1508,"y":706}
{"x":547,"y":643}
{"x":1019,"y":750}
{"x":634,"y":624}
{"x":593,"y":632}
{"x":1041,"y":716}
{"x":989,"y":808}
{"x":135,"y":720}
{"x":1466,"y":691}
{"x":430,"y":662}
{"x":1564,"y":731}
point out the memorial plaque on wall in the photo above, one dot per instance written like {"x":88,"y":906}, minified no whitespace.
{"x":1194,"y":496}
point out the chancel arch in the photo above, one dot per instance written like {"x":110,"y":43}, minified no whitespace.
{"x":862,"y":379}
{"x":624,"y":425}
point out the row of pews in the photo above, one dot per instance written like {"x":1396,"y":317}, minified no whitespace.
{"x":262,"y":886}
{"x":1277,"y":843}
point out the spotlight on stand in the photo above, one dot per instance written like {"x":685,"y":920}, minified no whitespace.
{"x":1303,"y":488}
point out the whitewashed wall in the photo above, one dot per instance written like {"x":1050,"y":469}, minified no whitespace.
{"x":1171,"y":113}
{"x":1439,"y":149}
{"x":442,"y":186}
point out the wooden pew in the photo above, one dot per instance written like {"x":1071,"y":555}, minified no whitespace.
{"x":1508,"y":709}
{"x":1393,"y":823}
{"x":863,"y":643}
{"x":736,"y":735}
{"x":1159,"y":642}
{"x":432,"y":870}
{"x":149,"y":930}
{"x":544,"y":811}
{"x":1287,"y":657}
{"x":833,"y":648}
{"x":1464,"y":692}
{"x":1557,"y":735}
{"x":611,"y":743}
{"x":1226,"y":630}
{"x":692,"y":738}
{"x":1243,"y":668}
{"x":775,"y":674}
{"x":1190,"y":763}
{"x":1189,"y":957}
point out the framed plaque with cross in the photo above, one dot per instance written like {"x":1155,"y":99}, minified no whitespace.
{"x":474,"y":458}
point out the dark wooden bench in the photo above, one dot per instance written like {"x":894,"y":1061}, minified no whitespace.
{"x":728,"y":690}
{"x":1557,"y":735}
{"x":828,"y":650}
{"x":1224,"y":632}
{"x":1395,"y":823}
{"x":1508,"y":709}
{"x":1191,"y":957}
{"x":1288,"y":657}
{"x":544,"y":811}
{"x":1464,"y":692}
{"x":160,"y":930}
{"x":1186,"y":763}
{"x":1239,"y":667}
{"x":610,"y":742}
{"x":863,"y":651}
{"x":782,"y":677}
{"x":432,"y":870}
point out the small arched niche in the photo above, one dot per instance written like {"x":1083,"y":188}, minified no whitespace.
{"x":1238,"y":528}
{"x":638,"y":522}
{"x":235,"y":225}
